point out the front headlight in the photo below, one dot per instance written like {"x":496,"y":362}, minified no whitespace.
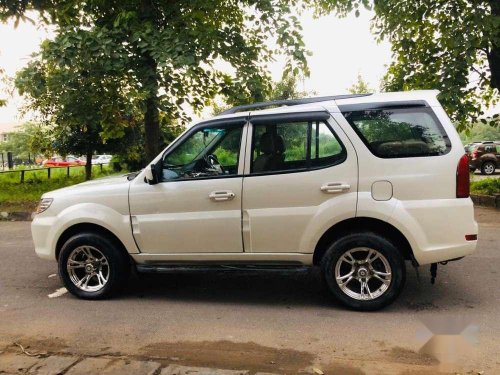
{"x":43,"y":205}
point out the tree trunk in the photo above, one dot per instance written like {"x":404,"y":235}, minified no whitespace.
{"x":494,"y":53}
{"x":88,"y":167}
{"x":150,"y":80}
{"x":152,"y":128}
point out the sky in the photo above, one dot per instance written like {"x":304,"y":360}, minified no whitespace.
{"x":341,"y":49}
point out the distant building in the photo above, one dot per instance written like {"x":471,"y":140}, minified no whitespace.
{"x":6,"y":128}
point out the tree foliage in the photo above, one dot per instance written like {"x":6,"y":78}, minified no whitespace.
{"x":84,"y":105}
{"x":172,"y":52}
{"x":481,"y":132}
{"x":360,"y":86}
{"x":29,"y":140}
{"x":453,"y":46}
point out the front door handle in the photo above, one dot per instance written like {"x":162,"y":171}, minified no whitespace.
{"x":221,"y":195}
{"x":335,"y":187}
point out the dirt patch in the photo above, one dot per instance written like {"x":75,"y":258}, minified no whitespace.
{"x":50,"y":345}
{"x":406,"y":356}
{"x":231,"y":355}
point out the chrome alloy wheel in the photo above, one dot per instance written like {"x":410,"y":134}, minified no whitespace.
{"x":88,"y":268}
{"x":363,"y":273}
{"x":489,"y":168}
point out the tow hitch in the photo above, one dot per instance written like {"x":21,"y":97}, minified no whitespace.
{"x":434,"y":267}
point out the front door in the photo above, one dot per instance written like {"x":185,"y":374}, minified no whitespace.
{"x":302,"y":176}
{"x":196,"y":207}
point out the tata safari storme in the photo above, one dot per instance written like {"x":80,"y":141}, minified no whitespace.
{"x":354,"y":184}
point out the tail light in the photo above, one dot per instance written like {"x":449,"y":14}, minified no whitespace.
{"x":474,"y":154}
{"x":463,"y":178}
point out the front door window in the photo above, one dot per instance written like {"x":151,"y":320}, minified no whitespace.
{"x":209,"y":152}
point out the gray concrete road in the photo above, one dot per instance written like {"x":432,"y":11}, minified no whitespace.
{"x":259,"y":322}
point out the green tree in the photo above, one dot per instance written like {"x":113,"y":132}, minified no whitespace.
{"x":81,"y":102}
{"x":172,"y":50}
{"x":287,"y":88}
{"x":360,"y":86}
{"x":28,"y":140}
{"x":452,"y":46}
{"x":3,"y":82}
{"x":480,"y":132}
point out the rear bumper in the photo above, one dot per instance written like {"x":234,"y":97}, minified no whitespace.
{"x":436,"y":229}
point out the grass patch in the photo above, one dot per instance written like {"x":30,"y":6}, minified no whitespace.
{"x":487,"y":186}
{"x":15,"y":196}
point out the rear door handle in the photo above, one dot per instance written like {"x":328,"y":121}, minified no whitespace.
{"x":221,"y":195}
{"x":335,"y":187}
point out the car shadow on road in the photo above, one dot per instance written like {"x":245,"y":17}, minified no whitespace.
{"x":291,"y":289}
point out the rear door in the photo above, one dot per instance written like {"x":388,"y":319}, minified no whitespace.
{"x":300,"y":178}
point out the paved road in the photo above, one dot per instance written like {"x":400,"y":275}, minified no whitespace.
{"x":274,"y":323}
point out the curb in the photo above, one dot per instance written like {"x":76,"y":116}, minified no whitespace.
{"x":16,"y":216}
{"x":486,"y":200}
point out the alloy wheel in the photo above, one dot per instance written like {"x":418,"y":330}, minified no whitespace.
{"x":363,"y":273}
{"x":88,"y":268}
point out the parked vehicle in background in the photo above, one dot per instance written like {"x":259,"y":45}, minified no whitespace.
{"x":469,"y":146}
{"x":485,"y":156}
{"x":61,"y":162}
{"x":353,"y":184}
{"x":101,"y":159}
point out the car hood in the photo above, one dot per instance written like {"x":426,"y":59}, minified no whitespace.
{"x":92,"y":187}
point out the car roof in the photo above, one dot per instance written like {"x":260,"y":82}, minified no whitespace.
{"x":332,"y":103}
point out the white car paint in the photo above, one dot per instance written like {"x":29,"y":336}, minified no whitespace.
{"x":276,"y":217}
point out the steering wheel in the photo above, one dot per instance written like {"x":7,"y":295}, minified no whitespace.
{"x":213,"y":162}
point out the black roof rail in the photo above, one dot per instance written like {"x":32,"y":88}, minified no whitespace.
{"x":289,"y":102}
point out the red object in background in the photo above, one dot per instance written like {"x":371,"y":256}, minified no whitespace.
{"x":59,"y":162}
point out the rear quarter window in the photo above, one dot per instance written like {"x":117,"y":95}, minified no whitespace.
{"x":400,"y":132}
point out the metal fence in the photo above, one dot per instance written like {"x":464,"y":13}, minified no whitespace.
{"x":23,"y":172}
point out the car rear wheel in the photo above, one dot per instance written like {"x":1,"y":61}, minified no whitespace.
{"x":92,"y":267}
{"x":488,"y":168}
{"x":364,"y":271}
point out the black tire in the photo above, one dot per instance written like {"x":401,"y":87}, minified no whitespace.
{"x":488,"y":168}
{"x":117,"y":263}
{"x":377,"y":243}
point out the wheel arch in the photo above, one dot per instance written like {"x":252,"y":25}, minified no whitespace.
{"x":92,"y":228}
{"x":363,"y":224}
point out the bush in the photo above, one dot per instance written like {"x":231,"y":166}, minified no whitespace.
{"x":487,"y":186}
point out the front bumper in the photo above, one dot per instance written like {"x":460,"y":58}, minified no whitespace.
{"x":41,"y":227}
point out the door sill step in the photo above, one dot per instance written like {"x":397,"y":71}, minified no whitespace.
{"x":204,"y":267}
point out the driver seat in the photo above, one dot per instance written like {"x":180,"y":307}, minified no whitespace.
{"x":272,"y":148}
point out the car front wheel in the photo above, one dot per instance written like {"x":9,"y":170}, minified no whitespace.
{"x":91,"y":266}
{"x":364,"y":271}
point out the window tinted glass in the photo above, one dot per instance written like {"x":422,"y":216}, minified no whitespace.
{"x":325,"y":148}
{"x":209,"y":152}
{"x":394,"y":133}
{"x":294,"y":146}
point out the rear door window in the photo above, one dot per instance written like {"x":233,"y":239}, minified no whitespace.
{"x":400,"y":132}
{"x":294,"y":146}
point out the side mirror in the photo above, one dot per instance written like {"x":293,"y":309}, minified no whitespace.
{"x":151,"y":174}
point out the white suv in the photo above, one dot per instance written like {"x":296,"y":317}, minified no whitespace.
{"x":355,"y":184}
